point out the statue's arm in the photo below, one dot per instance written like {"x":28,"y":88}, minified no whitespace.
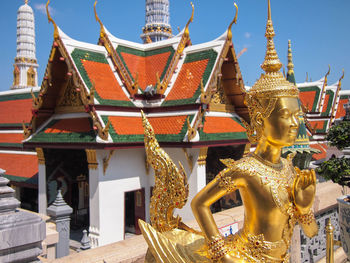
{"x":223,"y":184}
{"x":304,"y":190}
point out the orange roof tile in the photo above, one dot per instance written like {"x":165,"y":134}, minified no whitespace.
{"x":308,"y":98}
{"x":341,"y":111}
{"x":161,"y":125}
{"x":15,"y":111}
{"x":188,"y":80}
{"x":105,"y":82}
{"x":325,"y":104}
{"x":70,"y":125}
{"x":323,"y":148}
{"x":146,"y":67}
{"x":11,"y":138}
{"x":19,"y":164}
{"x":221,"y":125}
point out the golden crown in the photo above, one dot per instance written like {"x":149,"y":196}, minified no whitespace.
{"x":272,"y":83}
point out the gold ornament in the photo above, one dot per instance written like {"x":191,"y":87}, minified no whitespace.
{"x":170,"y":190}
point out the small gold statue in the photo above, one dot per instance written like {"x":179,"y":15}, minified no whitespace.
{"x":275,"y":195}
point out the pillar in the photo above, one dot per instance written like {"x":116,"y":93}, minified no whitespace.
{"x":94,"y":198}
{"x":60,"y":213}
{"x":42,"y":196}
{"x":196,"y":181}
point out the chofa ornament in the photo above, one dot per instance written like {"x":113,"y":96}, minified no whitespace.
{"x":275,"y":194}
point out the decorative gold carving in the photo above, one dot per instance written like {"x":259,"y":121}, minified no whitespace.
{"x":219,"y":101}
{"x":106,"y":161}
{"x":71,"y":95}
{"x":26,"y":131}
{"x":102,"y":132}
{"x":91,"y":159}
{"x":323,"y":92}
{"x":189,"y":159}
{"x":117,"y":62}
{"x":336,"y":99}
{"x":148,"y":40}
{"x":186,"y":34}
{"x":16,"y":76}
{"x":191,"y":132}
{"x":31,"y":77}
{"x":135,"y":84}
{"x":202,"y":158}
{"x":41,"y":156}
{"x":55,"y":34}
{"x":205,"y":95}
{"x":160,"y":86}
{"x":170,"y":190}
{"x":234,"y":21}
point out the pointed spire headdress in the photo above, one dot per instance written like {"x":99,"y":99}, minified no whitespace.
{"x":272,"y":83}
{"x":269,"y":87}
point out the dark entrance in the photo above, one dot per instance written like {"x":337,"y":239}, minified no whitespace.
{"x":214,"y":166}
{"x":134,"y":210}
{"x":68,"y":171}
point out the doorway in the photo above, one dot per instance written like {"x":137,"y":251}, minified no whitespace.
{"x":134,"y":210}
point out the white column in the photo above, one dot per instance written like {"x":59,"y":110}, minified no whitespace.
{"x":196,"y":181}
{"x":42,"y":198}
{"x":94,"y":199}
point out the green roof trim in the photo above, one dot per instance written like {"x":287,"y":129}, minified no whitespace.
{"x":17,"y":145}
{"x":329,"y":104}
{"x":324,"y":128}
{"x":78,"y":55}
{"x":122,"y":49}
{"x":21,"y":96}
{"x":140,"y":137}
{"x":291,"y":78}
{"x":19,"y":179}
{"x":344,"y":97}
{"x":193,"y":57}
{"x":19,"y":125}
{"x":317,"y":95}
{"x":73,"y":137}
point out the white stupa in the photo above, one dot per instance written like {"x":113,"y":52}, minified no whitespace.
{"x":25,"y":67}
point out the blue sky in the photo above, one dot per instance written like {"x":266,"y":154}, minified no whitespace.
{"x":319,"y":30}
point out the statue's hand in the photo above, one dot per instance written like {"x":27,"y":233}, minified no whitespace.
{"x":304,"y":188}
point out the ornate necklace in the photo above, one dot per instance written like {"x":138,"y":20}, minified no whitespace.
{"x":277,"y":166}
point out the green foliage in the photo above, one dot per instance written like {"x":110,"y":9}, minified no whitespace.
{"x":339,"y":135}
{"x":337,"y":170}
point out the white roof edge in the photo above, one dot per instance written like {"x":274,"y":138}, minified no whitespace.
{"x":345,"y":92}
{"x":144,"y":47}
{"x":79,"y":44}
{"x":309,"y":84}
{"x":19,"y":91}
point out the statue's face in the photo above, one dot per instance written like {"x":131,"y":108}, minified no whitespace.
{"x":281,"y":127}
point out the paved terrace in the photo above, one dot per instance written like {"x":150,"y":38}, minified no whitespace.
{"x":134,"y":249}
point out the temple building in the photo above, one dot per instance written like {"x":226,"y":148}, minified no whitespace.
{"x":81,"y":131}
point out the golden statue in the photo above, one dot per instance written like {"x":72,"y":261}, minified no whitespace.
{"x":275,"y":195}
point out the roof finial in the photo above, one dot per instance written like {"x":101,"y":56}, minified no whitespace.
{"x":341,"y":78}
{"x":290,"y":65}
{"x":187,"y":32}
{"x":102,"y":31}
{"x":55,"y":33}
{"x":272,"y":62}
{"x":234,"y":21}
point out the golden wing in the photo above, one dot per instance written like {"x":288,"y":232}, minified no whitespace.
{"x":170,"y":190}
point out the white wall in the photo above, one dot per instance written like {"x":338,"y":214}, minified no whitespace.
{"x":127,"y":172}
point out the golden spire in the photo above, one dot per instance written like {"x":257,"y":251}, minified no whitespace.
{"x":272,"y":62}
{"x":26,"y":2}
{"x":290,"y":65}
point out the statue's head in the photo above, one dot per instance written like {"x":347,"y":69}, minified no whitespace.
{"x":273,"y":102}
